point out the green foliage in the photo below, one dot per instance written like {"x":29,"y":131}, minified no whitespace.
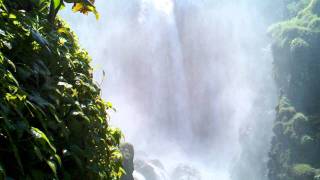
{"x":295,"y":147}
{"x":298,"y":44}
{"x":294,"y":6}
{"x":53,"y":122}
{"x":294,"y":142}
{"x":52,"y":7}
{"x":295,"y":51}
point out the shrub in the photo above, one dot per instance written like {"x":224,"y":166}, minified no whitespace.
{"x":53,"y":122}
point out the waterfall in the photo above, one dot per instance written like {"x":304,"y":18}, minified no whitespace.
{"x":191,"y":80}
{"x":138,"y":176}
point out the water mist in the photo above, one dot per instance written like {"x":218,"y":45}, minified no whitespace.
{"x":191,"y":80}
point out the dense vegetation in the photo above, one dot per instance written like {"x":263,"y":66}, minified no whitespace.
{"x":53,"y":122}
{"x":295,"y":146}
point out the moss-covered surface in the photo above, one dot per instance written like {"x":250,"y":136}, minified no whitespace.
{"x":53,"y":123}
{"x":296,"y":57}
{"x":295,"y":146}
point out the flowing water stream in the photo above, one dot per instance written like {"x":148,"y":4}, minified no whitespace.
{"x":191,"y":80}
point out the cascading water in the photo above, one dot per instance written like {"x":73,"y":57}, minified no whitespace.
{"x":138,"y":176}
{"x":190,"y":79}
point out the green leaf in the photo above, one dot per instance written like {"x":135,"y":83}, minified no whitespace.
{"x":2,"y":172}
{"x":22,"y":126}
{"x":85,"y":7}
{"x":56,"y":3}
{"x":12,"y":79}
{"x":36,"y":98}
{"x":37,"y":174}
{"x":52,"y":166}
{"x":58,"y":159}
{"x":12,"y":16}
{"x":65,"y":84}
{"x":69,"y":1}
{"x":110,"y":106}
{"x":38,"y":152}
{"x":23,"y":71}
{"x":81,"y":115}
{"x":41,"y":68}
{"x":42,"y":138}
{"x":117,"y":154}
{"x":38,"y":37}
{"x":15,"y":152}
{"x":116,"y":134}
{"x":11,"y":64}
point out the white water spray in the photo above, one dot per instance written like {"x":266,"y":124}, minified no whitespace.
{"x":187,"y":77}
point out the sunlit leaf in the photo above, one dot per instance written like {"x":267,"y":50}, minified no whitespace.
{"x":65,"y":84}
{"x":42,"y":138}
{"x":78,"y":7}
{"x":85,"y":7}
{"x":62,"y":41}
{"x":12,"y":16}
{"x":110,"y":106}
{"x":58,"y":159}
{"x":56,"y":3}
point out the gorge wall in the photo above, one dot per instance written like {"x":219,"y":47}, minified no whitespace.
{"x":295,"y":147}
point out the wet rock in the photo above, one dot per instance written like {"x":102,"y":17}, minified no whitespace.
{"x":151,"y":169}
{"x":185,"y":172}
{"x":127,"y":151}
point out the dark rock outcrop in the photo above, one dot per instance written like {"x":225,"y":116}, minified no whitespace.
{"x":127,"y":151}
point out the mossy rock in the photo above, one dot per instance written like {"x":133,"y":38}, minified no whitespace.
{"x":300,"y":123}
{"x":285,"y":110}
{"x":286,"y":113}
{"x":306,"y":140}
{"x":278,"y":129}
{"x":303,"y":172}
{"x":298,"y":44}
{"x":295,"y":148}
{"x":317,"y":176}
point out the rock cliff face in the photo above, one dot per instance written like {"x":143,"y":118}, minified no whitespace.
{"x":142,"y":167}
{"x":127,"y":151}
{"x":151,"y":169}
{"x":295,"y":146}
